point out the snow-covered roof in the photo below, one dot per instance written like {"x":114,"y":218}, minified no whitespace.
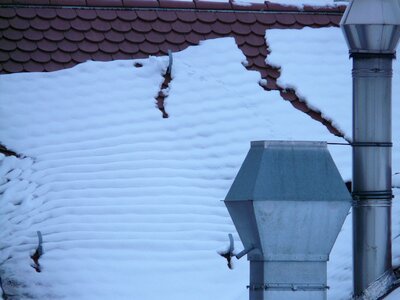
{"x":128,"y":203}
{"x":37,"y":36}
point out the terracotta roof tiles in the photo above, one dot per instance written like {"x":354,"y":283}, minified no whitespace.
{"x":49,"y":38}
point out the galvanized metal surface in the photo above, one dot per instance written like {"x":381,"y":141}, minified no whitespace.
{"x":372,"y":31}
{"x":372,"y":170}
{"x":372,"y":26}
{"x":288,"y":202}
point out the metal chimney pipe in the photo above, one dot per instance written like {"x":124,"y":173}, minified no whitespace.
{"x":372,"y":31}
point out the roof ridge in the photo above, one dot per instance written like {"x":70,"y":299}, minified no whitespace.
{"x":231,"y":5}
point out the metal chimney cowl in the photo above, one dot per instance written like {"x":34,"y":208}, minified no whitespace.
{"x":288,"y":203}
{"x":372,"y":26}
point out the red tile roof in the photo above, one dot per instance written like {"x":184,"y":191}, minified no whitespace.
{"x":45,"y":35}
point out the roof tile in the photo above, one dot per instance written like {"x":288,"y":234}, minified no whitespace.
{"x":266,"y":18}
{"x":60,"y":24}
{"x":212,"y":35}
{"x":147,"y":15}
{"x":162,"y":27}
{"x":255,"y":40}
{"x":201,"y":28}
{"x":302,"y":106}
{"x":74,"y":35}
{"x":100,"y":25}
{"x":46,"y":13}
{"x":20,"y":56}
{"x":100,"y":56}
{"x":258,"y":29}
{"x":120,"y":26}
{"x":104,"y":2}
{"x":141,"y":26}
{"x":67,"y":46}
{"x":68,"y":2}
{"x":53,"y":66}
{"x":164,"y":47}
{"x":304,"y":19}
{"x":32,"y":66}
{"x":26,"y":13}
{"x":134,"y":37}
{"x":140,"y":3}
{"x":88,"y":47}
{"x":167,"y":15}
{"x":249,"y":50}
{"x":86,"y":14}
{"x":106,"y":15}
{"x":47,"y":46}
{"x":335,"y":20}
{"x":174,"y":38}
{"x":176,"y":4}
{"x":129,"y":48}
{"x":7,"y":13}
{"x":108,"y":47}
{"x":38,"y":24}
{"x":7,"y":45}
{"x":26,"y":45}
{"x":4,"y":23}
{"x":155,"y":37}
{"x":186,"y":16}
{"x":321,"y":19}
{"x":285,"y":19}
{"x":67,"y":13}
{"x":246,"y":18}
{"x":80,"y":25}
{"x":121,"y":55}
{"x":92,"y":36}
{"x":54,"y":35}
{"x":80,"y":56}
{"x":12,"y":67}
{"x":241,"y":28}
{"x":12,"y":34}
{"x":240,"y":40}
{"x":206,"y":17}
{"x":226,"y":17}
{"x":19,"y":23}
{"x":115,"y":37}
{"x":181,"y":27}
{"x":259,"y":61}
{"x":221,"y":28}
{"x":4,"y":56}
{"x":33,"y":34}
{"x":126,"y":15}
{"x":40,"y":56}
{"x":194,"y":38}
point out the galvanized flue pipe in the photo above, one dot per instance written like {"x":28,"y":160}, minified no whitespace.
{"x":372,"y":169}
{"x":372,"y":30}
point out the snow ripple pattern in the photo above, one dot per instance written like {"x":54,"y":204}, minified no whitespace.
{"x":129,"y":203}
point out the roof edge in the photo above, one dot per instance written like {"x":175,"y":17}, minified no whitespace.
{"x":171,"y":4}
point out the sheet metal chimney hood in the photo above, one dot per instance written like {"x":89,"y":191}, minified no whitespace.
{"x":288,"y":203}
{"x":372,"y":31}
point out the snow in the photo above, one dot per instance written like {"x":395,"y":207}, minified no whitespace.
{"x":324,"y":51}
{"x":128,"y":202}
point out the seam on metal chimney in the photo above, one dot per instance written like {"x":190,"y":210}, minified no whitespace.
{"x":372,"y":30}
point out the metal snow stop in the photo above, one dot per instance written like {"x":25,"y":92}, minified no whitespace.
{"x":288,"y":203}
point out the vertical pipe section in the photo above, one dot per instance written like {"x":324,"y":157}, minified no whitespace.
{"x":372,"y":186}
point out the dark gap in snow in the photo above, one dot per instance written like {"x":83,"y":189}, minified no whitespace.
{"x":4,"y":295}
{"x":7,"y":152}
{"x":38,"y":253}
{"x":228,"y":256}
{"x":162,"y":94}
{"x":348,"y":185}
